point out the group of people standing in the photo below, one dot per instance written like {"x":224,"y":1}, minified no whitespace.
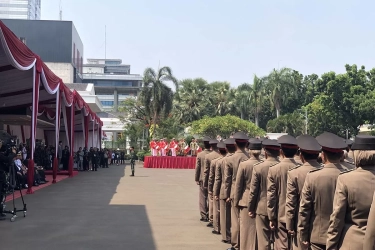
{"x":174,"y":148}
{"x":290,"y":193}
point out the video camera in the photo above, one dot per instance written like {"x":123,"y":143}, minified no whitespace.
{"x":8,"y":144}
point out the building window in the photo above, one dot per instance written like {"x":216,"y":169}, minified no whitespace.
{"x":107,"y":103}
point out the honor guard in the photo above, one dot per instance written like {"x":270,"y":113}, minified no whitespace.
{"x":276,"y":190}
{"x":219,"y":192}
{"x":317,"y":193}
{"x":309,"y":152}
{"x":353,"y":198}
{"x":214,"y":154}
{"x":241,"y":196}
{"x":230,"y":173}
{"x":211,"y":182}
{"x":258,"y":193}
{"x":199,"y":178}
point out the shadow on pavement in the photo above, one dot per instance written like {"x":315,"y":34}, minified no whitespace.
{"x":75,"y":214}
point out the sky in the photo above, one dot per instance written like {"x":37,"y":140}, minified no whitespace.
{"x":223,"y":40}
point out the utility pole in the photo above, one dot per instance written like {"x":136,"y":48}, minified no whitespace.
{"x":105,"y":42}
{"x":60,"y":11}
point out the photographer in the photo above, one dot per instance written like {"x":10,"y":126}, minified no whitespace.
{"x":7,"y":155}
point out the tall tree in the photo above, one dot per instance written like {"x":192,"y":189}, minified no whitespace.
{"x":222,"y":97}
{"x":243,"y":99}
{"x":281,"y":83}
{"x":257,"y":92}
{"x":191,"y":100}
{"x":156,"y":96}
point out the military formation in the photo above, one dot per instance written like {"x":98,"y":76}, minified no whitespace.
{"x":289,"y":193}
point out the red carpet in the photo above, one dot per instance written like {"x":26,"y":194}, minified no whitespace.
{"x":48,"y":178}
{"x":61,"y":172}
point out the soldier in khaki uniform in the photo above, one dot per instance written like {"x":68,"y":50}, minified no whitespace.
{"x":353,"y":198}
{"x":241,"y":196}
{"x":309,"y":152}
{"x":369,"y":242}
{"x":206,"y":172}
{"x":199,"y":168}
{"x":317,"y":193}
{"x":258,"y":192}
{"x":230,"y":173}
{"x":276,"y":190}
{"x":211,"y":184}
{"x":219,"y":192}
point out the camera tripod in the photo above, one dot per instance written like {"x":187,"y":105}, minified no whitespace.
{"x":10,"y":184}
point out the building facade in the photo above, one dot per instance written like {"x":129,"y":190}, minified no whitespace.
{"x":112,"y":80}
{"x":56,"y":42}
{"x":20,"y":9}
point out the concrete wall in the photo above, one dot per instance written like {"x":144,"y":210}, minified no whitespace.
{"x":63,"y":70}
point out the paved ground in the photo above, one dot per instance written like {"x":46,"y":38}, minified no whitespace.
{"x":157,"y":209}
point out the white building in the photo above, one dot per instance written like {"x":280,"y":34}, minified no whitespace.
{"x":20,"y":9}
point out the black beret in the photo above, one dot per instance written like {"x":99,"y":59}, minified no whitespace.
{"x":331,"y":142}
{"x":221,"y":145}
{"x":213,"y":141}
{"x":271,"y":144}
{"x":287,"y":141}
{"x":255,"y":144}
{"x":308,"y":144}
{"x":206,"y":139}
{"x":240,"y":136}
{"x":364,"y":142}
{"x":230,"y":141}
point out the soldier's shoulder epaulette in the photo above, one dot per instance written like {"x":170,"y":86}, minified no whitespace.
{"x":295,"y":167}
{"x":347,"y":171}
{"x":257,"y":163}
{"x":314,"y":170}
{"x":274,"y":164}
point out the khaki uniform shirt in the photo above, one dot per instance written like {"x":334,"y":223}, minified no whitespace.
{"x":230,"y":171}
{"x":219,"y":176}
{"x":295,"y":180}
{"x":369,"y":242}
{"x":211,"y":176}
{"x":317,"y":203}
{"x":347,"y":165}
{"x":298,"y":159}
{"x":276,"y":189}
{"x":199,"y":165}
{"x":258,"y":186}
{"x":207,"y":164}
{"x":243,"y":181}
{"x":351,"y":207}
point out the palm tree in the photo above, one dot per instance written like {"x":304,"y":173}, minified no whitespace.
{"x":243,"y":99}
{"x":156,"y":96}
{"x":256,"y":97}
{"x":280,"y":83}
{"x":222,"y":97}
{"x":191,"y":101}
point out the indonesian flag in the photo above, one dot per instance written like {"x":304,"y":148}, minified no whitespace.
{"x":187,"y":149}
{"x":166,"y":147}
{"x":175,"y":146}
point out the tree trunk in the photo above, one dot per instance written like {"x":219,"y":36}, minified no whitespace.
{"x":277,"y":112}
{"x":256,"y":119}
{"x":241,"y":115}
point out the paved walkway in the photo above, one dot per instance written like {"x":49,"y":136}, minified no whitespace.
{"x":108,"y":209}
